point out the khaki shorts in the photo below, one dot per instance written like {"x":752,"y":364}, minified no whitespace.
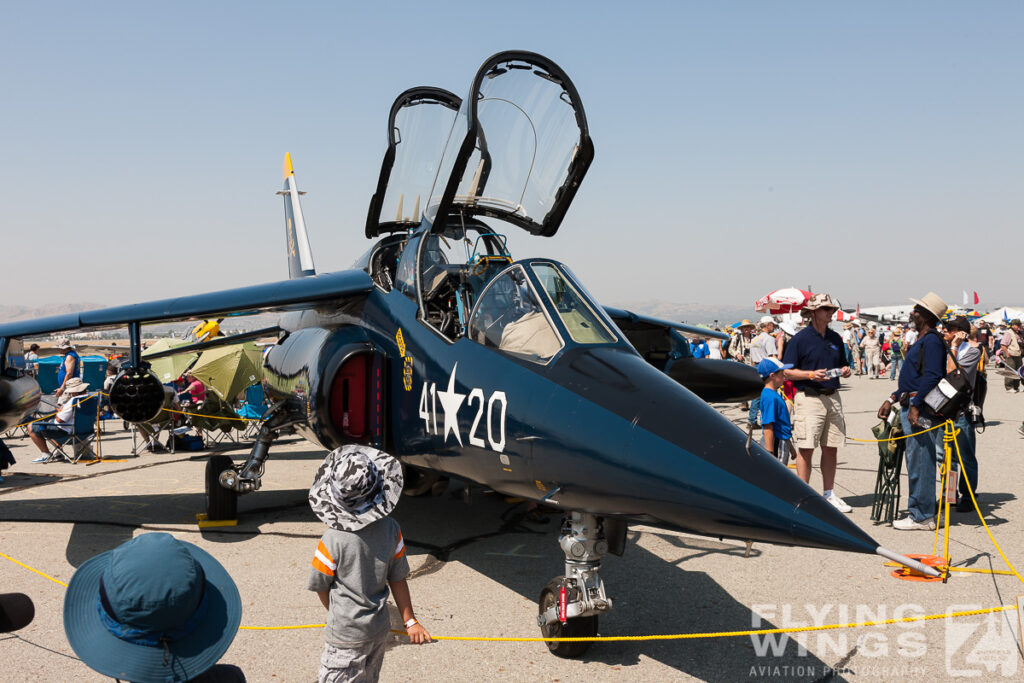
{"x":818,"y":421}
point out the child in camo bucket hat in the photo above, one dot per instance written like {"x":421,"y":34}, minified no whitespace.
{"x":359,"y":561}
{"x":355,"y":486}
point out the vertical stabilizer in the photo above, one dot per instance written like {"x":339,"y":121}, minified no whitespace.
{"x":300,"y":258}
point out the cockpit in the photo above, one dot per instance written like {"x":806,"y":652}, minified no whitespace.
{"x":457,"y":173}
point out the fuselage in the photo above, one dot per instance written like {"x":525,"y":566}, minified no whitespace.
{"x":596,"y":428}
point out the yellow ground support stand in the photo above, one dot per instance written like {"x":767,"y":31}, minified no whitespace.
{"x":204,"y":523}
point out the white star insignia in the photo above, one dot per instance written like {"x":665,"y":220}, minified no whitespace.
{"x":451,"y":402}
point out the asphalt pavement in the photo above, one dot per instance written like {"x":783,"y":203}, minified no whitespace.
{"x":479,"y":565}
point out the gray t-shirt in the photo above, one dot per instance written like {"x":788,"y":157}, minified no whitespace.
{"x":967,"y":358}
{"x":356,"y":566}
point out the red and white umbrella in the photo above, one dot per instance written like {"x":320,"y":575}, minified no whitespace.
{"x":786,"y":300}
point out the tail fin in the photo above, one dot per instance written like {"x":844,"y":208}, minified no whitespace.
{"x":300,"y":258}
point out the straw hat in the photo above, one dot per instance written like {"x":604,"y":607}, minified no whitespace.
{"x":75,"y":386}
{"x":933,"y":303}
{"x":746,"y":323}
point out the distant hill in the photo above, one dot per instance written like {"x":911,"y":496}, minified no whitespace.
{"x":10,"y":313}
{"x":692,"y":313}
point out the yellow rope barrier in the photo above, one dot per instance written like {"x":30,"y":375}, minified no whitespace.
{"x":606,"y":639}
{"x":31,"y":569}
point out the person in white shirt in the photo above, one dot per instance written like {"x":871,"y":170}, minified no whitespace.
{"x":761,"y":347}
{"x":74,"y":393}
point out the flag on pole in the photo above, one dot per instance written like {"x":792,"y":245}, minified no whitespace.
{"x":966,"y":300}
{"x":976,"y":299}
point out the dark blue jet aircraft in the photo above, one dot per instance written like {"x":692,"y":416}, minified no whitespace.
{"x":440,"y":348}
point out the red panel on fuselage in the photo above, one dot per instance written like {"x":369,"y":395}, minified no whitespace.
{"x":349,"y":397}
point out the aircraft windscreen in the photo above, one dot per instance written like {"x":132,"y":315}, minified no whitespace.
{"x":510,"y":318}
{"x":578,"y":316}
{"x":527,"y":139}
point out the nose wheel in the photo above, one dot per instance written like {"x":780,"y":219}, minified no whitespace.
{"x":569,"y":605}
{"x":578,"y":627}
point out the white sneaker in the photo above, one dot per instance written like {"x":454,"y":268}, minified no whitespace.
{"x":839,"y":504}
{"x":42,"y":458}
{"x":908,"y":524}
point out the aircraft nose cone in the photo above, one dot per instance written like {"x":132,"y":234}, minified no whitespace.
{"x":668,"y":458}
{"x":817,"y":520}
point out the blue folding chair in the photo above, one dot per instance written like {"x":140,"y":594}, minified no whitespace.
{"x":83,"y":432}
{"x":253,"y":409}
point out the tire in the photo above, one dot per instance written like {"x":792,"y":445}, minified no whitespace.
{"x":580,"y":627}
{"x":221,"y":503}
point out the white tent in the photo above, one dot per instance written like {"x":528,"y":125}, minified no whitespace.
{"x":1003,"y":314}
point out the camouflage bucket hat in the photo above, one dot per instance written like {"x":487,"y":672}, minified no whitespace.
{"x":355,"y":486}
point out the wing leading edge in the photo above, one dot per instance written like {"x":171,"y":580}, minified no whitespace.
{"x":285,"y":295}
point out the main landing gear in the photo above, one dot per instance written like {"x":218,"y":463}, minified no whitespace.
{"x":225,"y":482}
{"x":569,"y":605}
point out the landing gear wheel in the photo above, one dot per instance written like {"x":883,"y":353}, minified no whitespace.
{"x":580,"y":627}
{"x":221,"y":503}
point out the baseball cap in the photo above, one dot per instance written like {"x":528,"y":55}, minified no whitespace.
{"x":769,"y":366}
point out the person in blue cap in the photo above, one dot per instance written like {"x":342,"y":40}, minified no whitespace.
{"x":154,"y":610}
{"x":775,"y":422}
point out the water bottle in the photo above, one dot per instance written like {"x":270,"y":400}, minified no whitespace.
{"x":833,"y":373}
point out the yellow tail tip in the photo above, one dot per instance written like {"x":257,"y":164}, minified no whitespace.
{"x":288,"y":165}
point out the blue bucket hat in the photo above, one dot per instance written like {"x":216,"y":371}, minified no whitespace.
{"x":153,"y":609}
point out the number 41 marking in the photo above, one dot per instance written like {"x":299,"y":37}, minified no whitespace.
{"x":428,"y":413}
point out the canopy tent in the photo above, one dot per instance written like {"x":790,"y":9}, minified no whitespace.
{"x":228,"y":370}
{"x":169,"y":368}
{"x":1003,"y":315}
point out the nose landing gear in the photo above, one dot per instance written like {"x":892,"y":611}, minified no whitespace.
{"x":569,"y":605}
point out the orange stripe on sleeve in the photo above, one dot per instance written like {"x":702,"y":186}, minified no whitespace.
{"x":400,"y":548}
{"x":322,"y":568}
{"x":323,"y":550}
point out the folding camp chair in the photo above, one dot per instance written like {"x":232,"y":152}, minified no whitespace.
{"x":215,"y":420}
{"x":152,"y":431}
{"x":253,"y":409}
{"x":83,"y":432}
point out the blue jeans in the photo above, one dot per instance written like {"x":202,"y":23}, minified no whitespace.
{"x":920,"y":458}
{"x":849,"y":357}
{"x":894,"y":368}
{"x":966,"y":439}
{"x":755,"y":408}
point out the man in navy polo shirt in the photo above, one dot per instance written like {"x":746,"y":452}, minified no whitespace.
{"x":817,"y":411}
{"x":924,"y":366}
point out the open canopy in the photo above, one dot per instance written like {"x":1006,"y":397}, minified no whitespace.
{"x":519,"y":148}
{"x":418,"y":127}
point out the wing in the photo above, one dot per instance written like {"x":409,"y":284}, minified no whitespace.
{"x":286,"y":295}
{"x":627,"y":321}
{"x":663,"y":344}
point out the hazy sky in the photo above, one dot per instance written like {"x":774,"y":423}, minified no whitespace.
{"x":873,"y":149}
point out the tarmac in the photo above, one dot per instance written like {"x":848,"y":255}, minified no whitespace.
{"x":479,"y":565}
